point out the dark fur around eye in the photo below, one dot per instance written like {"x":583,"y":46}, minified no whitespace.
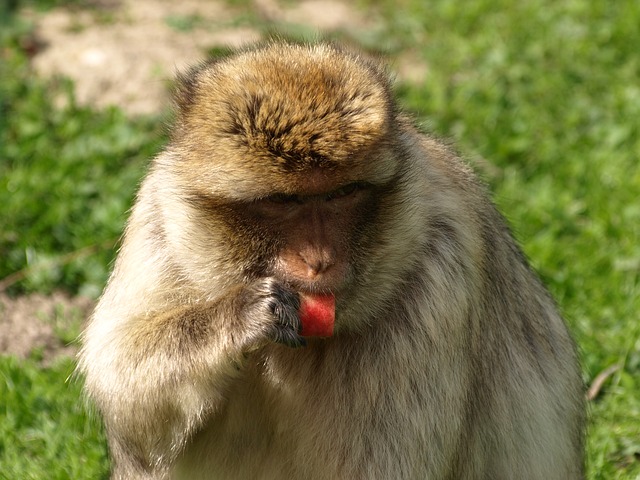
{"x":347,"y":190}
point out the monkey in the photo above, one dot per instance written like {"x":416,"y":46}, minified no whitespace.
{"x":291,"y":171}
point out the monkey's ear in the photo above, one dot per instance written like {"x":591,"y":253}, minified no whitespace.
{"x":186,"y":85}
{"x":187,"y":82}
{"x":185,"y":88}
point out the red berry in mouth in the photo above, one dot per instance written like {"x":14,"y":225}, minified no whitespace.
{"x":317,"y":314}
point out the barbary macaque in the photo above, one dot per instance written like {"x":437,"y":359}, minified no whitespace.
{"x":309,"y":288}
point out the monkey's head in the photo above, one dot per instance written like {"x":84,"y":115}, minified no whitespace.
{"x":287,"y":158}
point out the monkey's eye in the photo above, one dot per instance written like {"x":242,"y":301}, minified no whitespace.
{"x":284,"y":199}
{"x":345,"y":191}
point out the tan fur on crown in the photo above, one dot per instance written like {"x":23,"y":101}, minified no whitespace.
{"x":251,"y":113}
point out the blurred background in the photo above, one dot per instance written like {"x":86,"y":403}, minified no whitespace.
{"x":542,"y":97}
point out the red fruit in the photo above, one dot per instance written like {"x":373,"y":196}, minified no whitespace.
{"x":317,"y":314}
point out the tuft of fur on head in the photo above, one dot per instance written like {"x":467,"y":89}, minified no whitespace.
{"x":301,"y":110}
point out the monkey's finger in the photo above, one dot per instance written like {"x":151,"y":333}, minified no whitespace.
{"x":287,"y":316}
{"x":286,"y":336}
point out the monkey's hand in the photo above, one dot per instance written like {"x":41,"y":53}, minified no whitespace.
{"x":271,"y":312}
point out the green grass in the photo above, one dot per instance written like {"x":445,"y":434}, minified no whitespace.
{"x":45,"y":430}
{"x":542,"y":96}
{"x":67,"y":177}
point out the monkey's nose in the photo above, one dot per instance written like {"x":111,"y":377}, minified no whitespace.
{"x":315,"y":269}
{"x":317,"y":262}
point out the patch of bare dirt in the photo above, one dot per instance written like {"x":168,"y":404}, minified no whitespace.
{"x":126,"y":52}
{"x":46,"y":324}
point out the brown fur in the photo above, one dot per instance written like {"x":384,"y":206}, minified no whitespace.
{"x":290,"y":170}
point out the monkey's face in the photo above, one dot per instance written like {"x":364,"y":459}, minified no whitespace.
{"x":314,"y":242}
{"x":316,"y":238}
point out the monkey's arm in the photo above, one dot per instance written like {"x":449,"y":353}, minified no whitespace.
{"x":157,"y":377}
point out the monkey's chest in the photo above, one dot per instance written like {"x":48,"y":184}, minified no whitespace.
{"x":282,"y":430}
